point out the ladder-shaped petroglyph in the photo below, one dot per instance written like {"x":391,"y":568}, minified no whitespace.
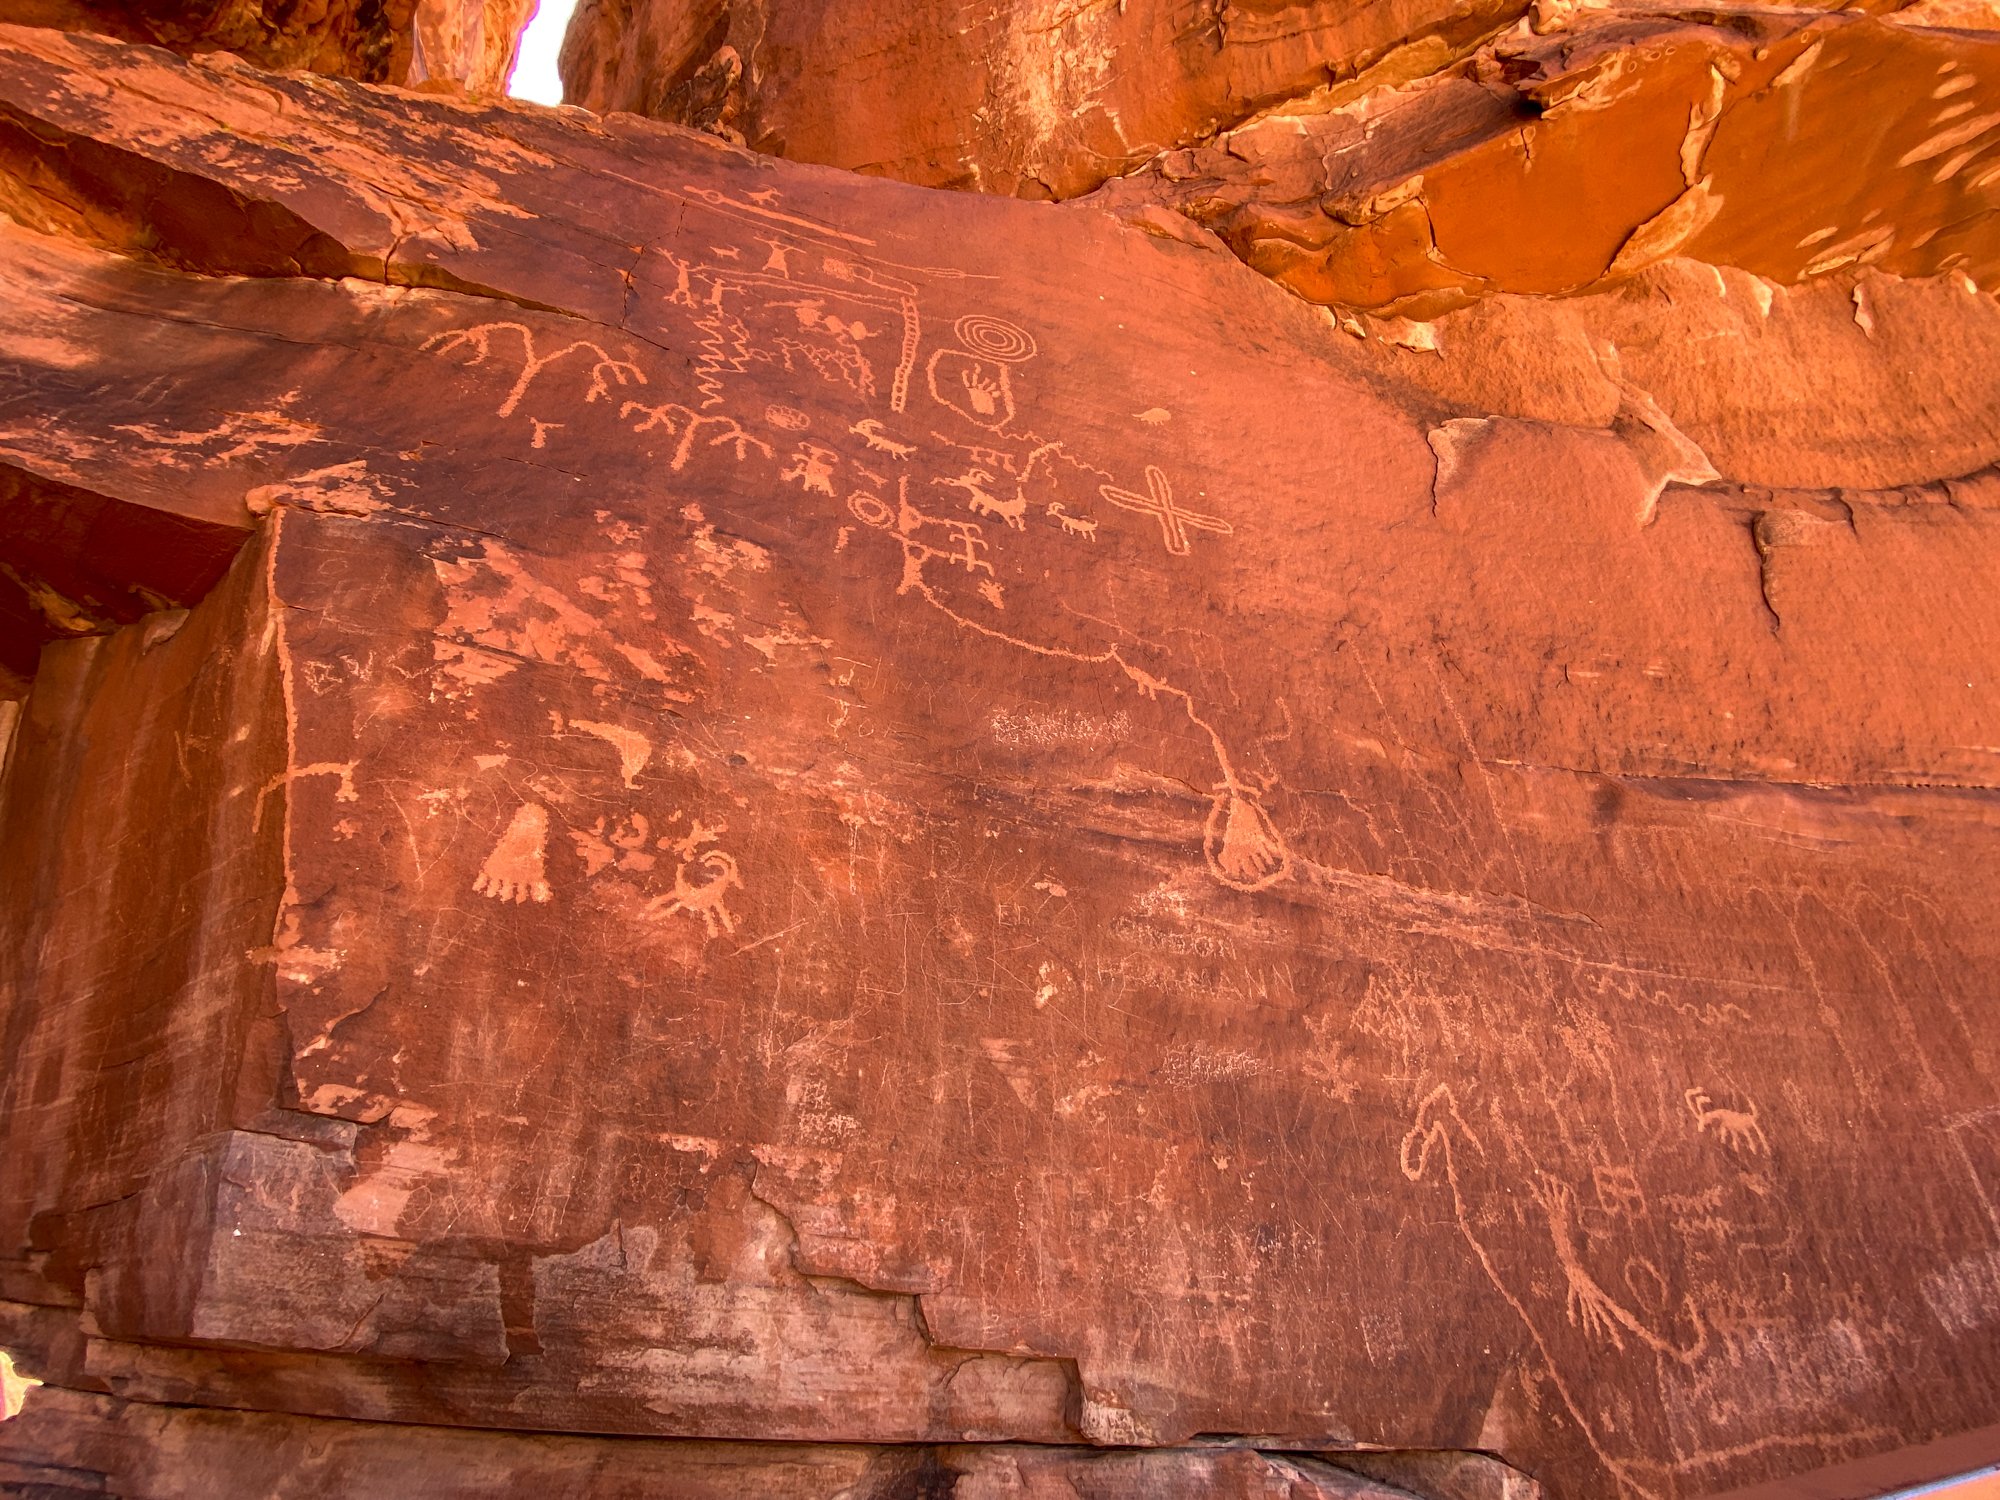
{"x":840,"y":303}
{"x":746,"y":316}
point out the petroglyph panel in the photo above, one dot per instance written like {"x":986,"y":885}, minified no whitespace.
{"x":833,"y":844}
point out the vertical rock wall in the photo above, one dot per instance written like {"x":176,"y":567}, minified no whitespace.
{"x":1322,"y":825}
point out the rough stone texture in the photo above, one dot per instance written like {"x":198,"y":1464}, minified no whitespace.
{"x":1755,"y":141}
{"x":1032,"y":98}
{"x":472,"y":45}
{"x":1364,"y":156}
{"x":75,"y":1444}
{"x":463,"y":43}
{"x":767,"y":805}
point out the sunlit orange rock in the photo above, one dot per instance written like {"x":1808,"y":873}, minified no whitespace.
{"x":1550,"y":163}
{"x":687,"y":822}
{"x":1039,"y":99}
{"x":464,"y":43}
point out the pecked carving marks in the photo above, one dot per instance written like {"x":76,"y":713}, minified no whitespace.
{"x":1242,"y":846}
{"x":516,"y":869}
{"x":1001,"y":479}
{"x":483,"y":342}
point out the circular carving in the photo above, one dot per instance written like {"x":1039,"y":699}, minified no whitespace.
{"x":995,"y":338}
{"x":870,"y":511}
{"x":788,"y":417}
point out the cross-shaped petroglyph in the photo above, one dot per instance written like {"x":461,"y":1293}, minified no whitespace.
{"x":1159,"y":503}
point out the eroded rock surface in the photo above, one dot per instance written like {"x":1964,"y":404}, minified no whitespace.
{"x":775,"y":806}
{"x":1040,"y":99}
{"x":1754,"y":141}
{"x":464,"y":43}
{"x":1397,"y":157}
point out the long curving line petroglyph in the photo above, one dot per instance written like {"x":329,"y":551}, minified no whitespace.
{"x":1243,"y":848}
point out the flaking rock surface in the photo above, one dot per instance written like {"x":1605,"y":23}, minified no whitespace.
{"x":670,"y":795}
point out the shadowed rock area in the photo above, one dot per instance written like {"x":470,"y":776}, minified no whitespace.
{"x":1323,"y":824}
{"x":444,"y":43}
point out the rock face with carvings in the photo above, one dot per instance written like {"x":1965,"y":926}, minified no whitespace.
{"x":681,"y":823}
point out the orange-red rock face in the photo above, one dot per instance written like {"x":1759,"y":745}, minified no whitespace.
{"x":1040,"y":99}
{"x":1755,"y":144}
{"x":953,"y":832}
{"x":1392,"y":157}
{"x":467,"y":43}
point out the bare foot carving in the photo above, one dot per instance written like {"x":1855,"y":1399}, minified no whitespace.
{"x":514,"y":870}
{"x":1244,"y":849}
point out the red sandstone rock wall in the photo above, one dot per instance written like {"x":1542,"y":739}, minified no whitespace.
{"x":1040,"y":99}
{"x":670,"y":798}
{"x":467,"y":43}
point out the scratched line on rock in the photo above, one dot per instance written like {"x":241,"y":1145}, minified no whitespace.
{"x":921,"y":459}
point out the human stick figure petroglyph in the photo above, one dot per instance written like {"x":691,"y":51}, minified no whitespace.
{"x":1240,"y":844}
{"x":605,"y":370}
{"x":1735,"y":1128}
{"x":812,"y":467}
{"x":840,"y":278}
{"x":1158,"y":502}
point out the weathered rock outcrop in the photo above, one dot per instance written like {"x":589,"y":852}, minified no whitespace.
{"x":672,"y":796}
{"x":1758,"y":141}
{"x":1394,"y":157}
{"x":1036,"y":99}
{"x":467,"y":43}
